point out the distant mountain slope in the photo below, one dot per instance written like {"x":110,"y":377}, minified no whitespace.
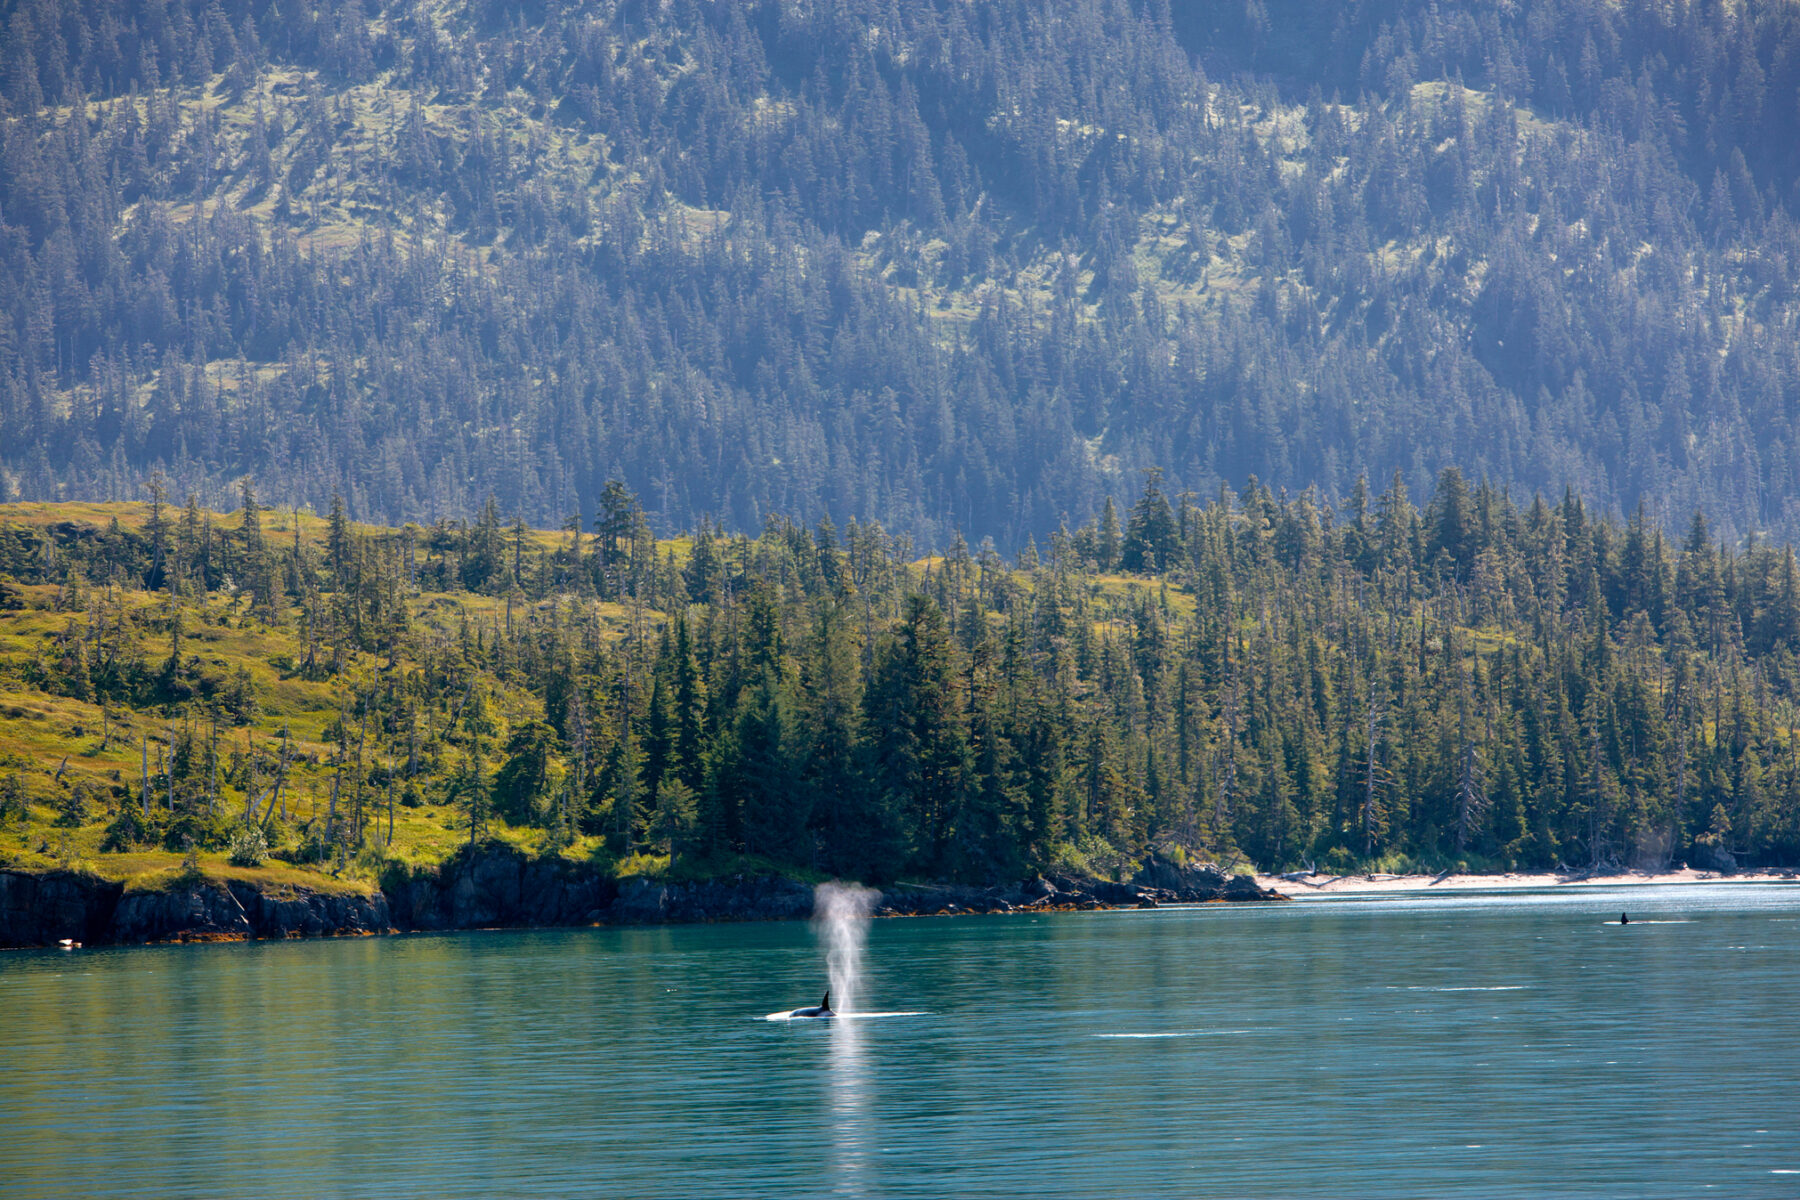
{"x":931,"y":263}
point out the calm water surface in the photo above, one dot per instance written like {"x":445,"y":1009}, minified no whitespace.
{"x":1470,"y":1045}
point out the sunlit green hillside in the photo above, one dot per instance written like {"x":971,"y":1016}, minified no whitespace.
{"x":222,"y":708}
{"x":1258,"y":679}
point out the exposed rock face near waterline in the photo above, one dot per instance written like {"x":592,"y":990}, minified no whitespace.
{"x":744,"y":898}
{"x":231,"y":912}
{"x":1159,"y":882}
{"x":499,"y":887}
{"x":44,"y":909}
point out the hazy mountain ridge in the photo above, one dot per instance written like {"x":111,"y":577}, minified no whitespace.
{"x":928,"y":264}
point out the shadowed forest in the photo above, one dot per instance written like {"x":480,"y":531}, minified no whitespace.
{"x":934,"y":265}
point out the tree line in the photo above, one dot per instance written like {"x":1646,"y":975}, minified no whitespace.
{"x":1256,"y":676}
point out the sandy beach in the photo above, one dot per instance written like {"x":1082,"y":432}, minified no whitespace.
{"x":1320,"y":884}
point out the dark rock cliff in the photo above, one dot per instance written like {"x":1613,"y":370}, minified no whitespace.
{"x":44,"y":909}
{"x":497,"y":885}
{"x":1159,"y":882}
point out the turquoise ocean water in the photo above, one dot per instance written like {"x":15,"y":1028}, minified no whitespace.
{"x":1468,"y":1045}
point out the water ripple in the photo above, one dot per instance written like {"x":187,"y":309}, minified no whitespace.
{"x":1064,"y":1054}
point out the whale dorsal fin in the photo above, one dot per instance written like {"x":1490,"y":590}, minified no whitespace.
{"x":826,"y":1002}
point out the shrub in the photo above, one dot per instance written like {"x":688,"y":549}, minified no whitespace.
{"x":128,"y":831}
{"x":72,"y":807}
{"x":313,"y":847}
{"x":199,"y":828}
{"x":249,"y":848}
{"x":14,"y":801}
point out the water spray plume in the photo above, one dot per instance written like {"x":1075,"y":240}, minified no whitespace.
{"x":841,"y":921}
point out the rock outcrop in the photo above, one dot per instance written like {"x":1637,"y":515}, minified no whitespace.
{"x":299,"y":912}
{"x":1203,"y":880}
{"x":44,"y":909}
{"x":740,"y":898}
{"x":496,"y":885}
{"x":1159,"y":882}
{"x":197,"y":912}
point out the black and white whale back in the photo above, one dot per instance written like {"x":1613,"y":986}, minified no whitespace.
{"x":824,"y":1009}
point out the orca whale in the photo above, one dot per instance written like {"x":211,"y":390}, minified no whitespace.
{"x":823,"y":1010}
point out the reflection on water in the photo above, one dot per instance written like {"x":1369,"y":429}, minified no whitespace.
{"x":847,"y":1101}
{"x":1457,"y":1046}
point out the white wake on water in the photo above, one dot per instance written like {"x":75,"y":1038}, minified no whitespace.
{"x":1184,"y":1033}
{"x":844,"y":1016}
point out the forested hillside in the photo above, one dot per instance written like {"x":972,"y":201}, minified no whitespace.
{"x":1260,"y":680}
{"x":935,"y":264}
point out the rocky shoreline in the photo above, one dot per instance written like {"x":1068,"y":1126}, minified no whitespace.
{"x":497,"y":887}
